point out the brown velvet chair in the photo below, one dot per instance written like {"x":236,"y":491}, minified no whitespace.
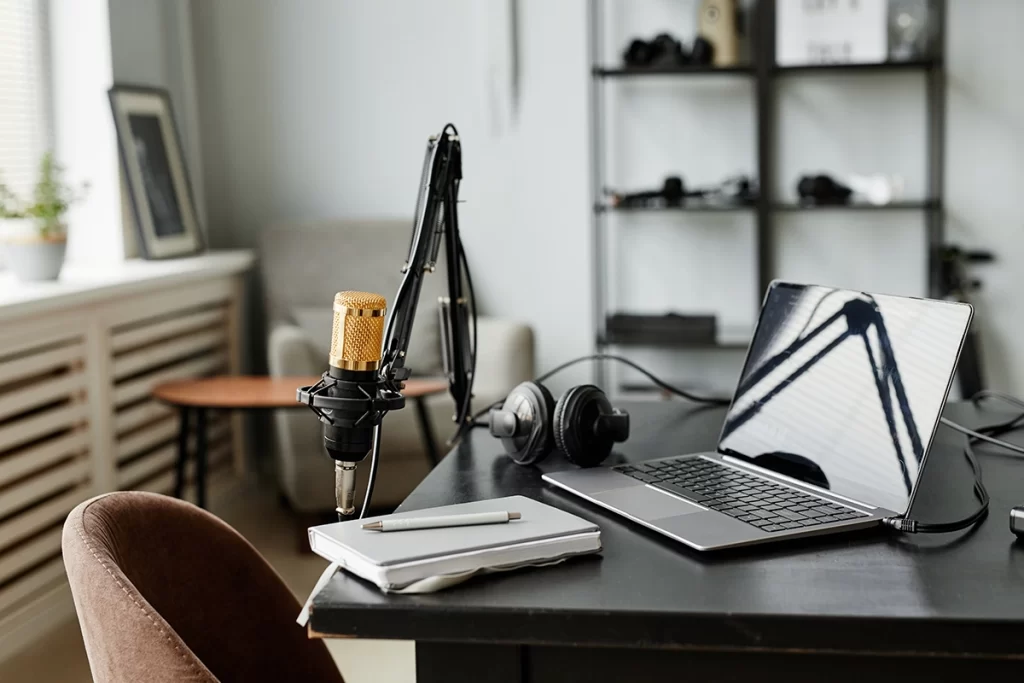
{"x":167,"y":592}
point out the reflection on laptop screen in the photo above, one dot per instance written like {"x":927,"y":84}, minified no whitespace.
{"x":844,"y":390}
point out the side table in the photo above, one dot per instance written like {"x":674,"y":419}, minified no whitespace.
{"x":251,"y":393}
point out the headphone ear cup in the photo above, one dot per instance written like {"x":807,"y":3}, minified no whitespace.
{"x":573,"y":425}
{"x":532,"y":404}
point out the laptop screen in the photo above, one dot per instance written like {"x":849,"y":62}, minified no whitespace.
{"x":844,"y":390}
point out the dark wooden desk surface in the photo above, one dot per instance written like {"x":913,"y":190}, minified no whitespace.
{"x":866,"y":593}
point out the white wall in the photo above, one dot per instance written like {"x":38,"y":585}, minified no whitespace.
{"x":319,"y":109}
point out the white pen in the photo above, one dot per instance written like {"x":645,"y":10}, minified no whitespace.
{"x":471,"y":519}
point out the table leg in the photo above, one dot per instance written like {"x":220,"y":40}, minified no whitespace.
{"x":179,"y":465}
{"x":479,"y":663}
{"x":427,"y":430}
{"x":201,"y":457}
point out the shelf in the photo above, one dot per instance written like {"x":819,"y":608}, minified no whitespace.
{"x":917,"y":65}
{"x":928,"y":205}
{"x":692,"y":207}
{"x":629,"y":72}
{"x":720,"y":344}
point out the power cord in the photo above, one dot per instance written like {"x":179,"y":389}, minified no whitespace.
{"x":660,"y":383}
{"x":985,"y":434}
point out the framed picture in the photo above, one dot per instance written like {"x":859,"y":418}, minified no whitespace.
{"x":165,"y":216}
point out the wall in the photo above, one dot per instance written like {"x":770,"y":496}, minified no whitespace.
{"x":151,"y":44}
{"x":319,"y":109}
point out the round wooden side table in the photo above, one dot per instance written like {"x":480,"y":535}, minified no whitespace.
{"x":251,"y":393}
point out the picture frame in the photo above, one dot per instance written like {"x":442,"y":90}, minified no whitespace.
{"x":155,"y":172}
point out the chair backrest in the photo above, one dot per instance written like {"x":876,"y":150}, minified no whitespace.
{"x":304,"y":264}
{"x":165,"y":591}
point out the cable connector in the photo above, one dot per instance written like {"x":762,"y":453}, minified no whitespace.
{"x":908,"y":526}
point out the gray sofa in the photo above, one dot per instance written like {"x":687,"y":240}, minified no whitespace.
{"x":303,"y":265}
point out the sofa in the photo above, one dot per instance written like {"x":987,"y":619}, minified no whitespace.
{"x":302,"y":266}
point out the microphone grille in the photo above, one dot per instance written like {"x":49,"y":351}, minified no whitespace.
{"x":358,"y":330}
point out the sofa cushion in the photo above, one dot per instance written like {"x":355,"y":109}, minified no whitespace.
{"x":305,"y":264}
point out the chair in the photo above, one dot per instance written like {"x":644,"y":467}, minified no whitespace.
{"x":303,"y":265}
{"x":167,"y":592}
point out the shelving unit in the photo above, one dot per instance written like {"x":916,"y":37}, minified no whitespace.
{"x":764,"y":75}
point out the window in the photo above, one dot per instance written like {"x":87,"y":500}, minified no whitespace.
{"x":24,"y":108}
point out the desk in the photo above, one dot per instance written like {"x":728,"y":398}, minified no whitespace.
{"x":240,"y":393}
{"x":831,"y":609}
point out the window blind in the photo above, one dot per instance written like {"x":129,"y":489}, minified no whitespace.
{"x":24,"y":120}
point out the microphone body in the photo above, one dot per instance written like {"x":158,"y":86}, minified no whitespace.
{"x":353,"y":363}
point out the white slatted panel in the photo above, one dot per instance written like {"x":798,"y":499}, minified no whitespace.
{"x":46,"y":514}
{"x":134,"y":337}
{"x":40,"y":392}
{"x":165,"y":352}
{"x":42,"y":454}
{"x":162,"y":459}
{"x":31,"y":552}
{"x":38,"y":363}
{"x":178,"y":344}
{"x":139,"y":414}
{"x":44,"y":576}
{"x":45,"y":460}
{"x":141,"y":387}
{"x":42,"y":485}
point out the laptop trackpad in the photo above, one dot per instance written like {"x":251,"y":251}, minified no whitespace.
{"x":646,"y":504}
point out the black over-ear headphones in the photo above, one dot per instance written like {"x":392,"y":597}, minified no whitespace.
{"x":583,"y":424}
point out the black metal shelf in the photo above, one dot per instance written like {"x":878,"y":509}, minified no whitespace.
{"x":691,"y":207}
{"x":766,"y":76}
{"x":928,"y":205}
{"x":877,"y":67}
{"x":695,"y":70}
{"x":611,"y":340}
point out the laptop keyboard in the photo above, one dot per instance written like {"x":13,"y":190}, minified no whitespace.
{"x":755,"y":500}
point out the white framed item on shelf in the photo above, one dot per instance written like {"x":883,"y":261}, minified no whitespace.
{"x":830,"y":32}
{"x":155,"y":172}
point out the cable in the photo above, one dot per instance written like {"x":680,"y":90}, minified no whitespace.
{"x":372,"y":478}
{"x":982,"y":436}
{"x":912,"y":526}
{"x":980,"y":492}
{"x":708,"y":400}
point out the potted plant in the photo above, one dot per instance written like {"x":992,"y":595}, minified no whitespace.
{"x":34,"y":235}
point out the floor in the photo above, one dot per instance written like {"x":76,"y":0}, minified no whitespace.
{"x":255,"y":512}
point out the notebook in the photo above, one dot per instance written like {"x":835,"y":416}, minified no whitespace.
{"x":429,"y":559}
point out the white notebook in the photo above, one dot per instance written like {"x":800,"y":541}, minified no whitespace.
{"x":435,"y":558}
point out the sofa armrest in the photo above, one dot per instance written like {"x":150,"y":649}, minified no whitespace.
{"x":290,"y":353}
{"x":504,"y":356}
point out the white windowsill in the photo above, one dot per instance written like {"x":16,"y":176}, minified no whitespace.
{"x":80,"y":284}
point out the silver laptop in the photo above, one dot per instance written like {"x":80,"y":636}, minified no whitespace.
{"x":828,"y":430}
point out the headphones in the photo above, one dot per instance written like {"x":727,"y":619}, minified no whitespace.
{"x":822,"y":189}
{"x":674,"y":192}
{"x":664,"y":50}
{"x":582,"y":424}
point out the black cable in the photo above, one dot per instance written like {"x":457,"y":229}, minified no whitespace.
{"x":708,"y":400}
{"x":980,"y":492}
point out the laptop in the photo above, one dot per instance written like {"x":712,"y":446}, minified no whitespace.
{"x":828,"y":430}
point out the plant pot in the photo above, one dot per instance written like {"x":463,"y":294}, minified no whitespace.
{"x":35,"y":260}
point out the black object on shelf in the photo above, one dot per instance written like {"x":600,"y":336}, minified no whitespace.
{"x":766,"y":75}
{"x":670,"y":329}
{"x":688,"y":70}
{"x":695,"y":205}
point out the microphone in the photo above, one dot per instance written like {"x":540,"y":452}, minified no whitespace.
{"x":353,"y":362}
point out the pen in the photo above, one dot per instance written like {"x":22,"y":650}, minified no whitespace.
{"x":443,"y":521}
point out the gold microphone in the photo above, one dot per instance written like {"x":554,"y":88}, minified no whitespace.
{"x":354,"y":360}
